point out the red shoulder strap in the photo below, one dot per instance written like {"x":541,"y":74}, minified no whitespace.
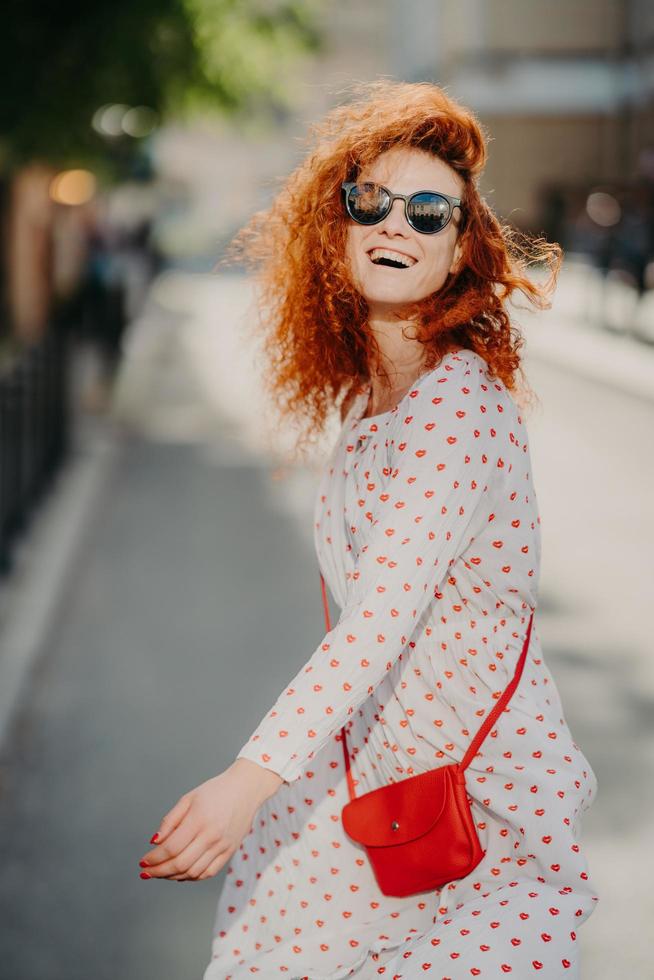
{"x":486,"y":725}
{"x":501,"y":703}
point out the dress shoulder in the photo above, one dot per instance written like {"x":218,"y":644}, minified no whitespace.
{"x":461,"y":384}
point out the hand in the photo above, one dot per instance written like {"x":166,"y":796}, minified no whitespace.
{"x":206,"y":826}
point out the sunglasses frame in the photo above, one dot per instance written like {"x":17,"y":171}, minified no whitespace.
{"x":454,"y":202}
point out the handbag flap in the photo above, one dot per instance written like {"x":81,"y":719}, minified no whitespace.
{"x":401,"y":811}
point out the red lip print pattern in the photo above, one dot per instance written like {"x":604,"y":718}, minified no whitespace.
{"x":428,"y":534}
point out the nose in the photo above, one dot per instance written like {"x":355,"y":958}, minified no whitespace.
{"x":395,"y":222}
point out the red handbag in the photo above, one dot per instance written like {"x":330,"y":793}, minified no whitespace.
{"x":419,"y":833}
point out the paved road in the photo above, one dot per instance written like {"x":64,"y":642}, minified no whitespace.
{"x":177,"y":631}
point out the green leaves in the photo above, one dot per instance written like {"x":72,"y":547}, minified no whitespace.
{"x":61,"y":62}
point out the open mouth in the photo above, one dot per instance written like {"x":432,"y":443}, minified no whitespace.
{"x":391,"y":259}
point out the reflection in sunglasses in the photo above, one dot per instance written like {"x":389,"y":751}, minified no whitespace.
{"x":426,"y":211}
{"x":371,"y":199}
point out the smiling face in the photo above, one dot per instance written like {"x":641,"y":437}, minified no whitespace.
{"x":426,"y":259}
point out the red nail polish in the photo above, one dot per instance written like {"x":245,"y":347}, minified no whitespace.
{"x":153,"y":839}
{"x":144,"y":874}
{"x":143,"y":864}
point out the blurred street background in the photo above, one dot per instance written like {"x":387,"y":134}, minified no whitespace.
{"x":156,"y":546}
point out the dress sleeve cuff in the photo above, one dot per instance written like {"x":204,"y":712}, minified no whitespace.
{"x":289,"y":769}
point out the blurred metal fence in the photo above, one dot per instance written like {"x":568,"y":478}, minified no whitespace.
{"x":34,"y":431}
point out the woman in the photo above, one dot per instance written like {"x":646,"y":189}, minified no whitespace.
{"x":427,"y":532}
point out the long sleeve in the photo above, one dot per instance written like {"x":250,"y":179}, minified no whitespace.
{"x":444,"y":458}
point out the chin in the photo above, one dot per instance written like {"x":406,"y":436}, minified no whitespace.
{"x":388,"y":292}
{"x":386,"y":296}
{"x":382,"y":300}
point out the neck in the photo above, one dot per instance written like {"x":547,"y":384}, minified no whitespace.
{"x":401,"y":357}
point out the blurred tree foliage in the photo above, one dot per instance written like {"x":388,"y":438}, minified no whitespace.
{"x":62,"y":61}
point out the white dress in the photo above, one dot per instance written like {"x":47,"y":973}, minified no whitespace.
{"x":428,"y":534}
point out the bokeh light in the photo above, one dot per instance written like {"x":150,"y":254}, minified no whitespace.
{"x":108,"y":119}
{"x":73,"y":187}
{"x":603,"y":209}
{"x":139,"y":121}
{"x":117,"y":119}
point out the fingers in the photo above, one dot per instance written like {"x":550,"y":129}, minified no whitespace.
{"x":216,"y":865}
{"x":173,"y":818}
{"x":201,"y":869}
{"x":193,"y":865}
{"x":176,"y":842}
{"x":178,"y":855}
{"x":184,"y":856}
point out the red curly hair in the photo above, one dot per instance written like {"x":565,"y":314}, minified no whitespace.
{"x":318,"y":344}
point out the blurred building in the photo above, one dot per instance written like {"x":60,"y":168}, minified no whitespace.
{"x":565,"y":88}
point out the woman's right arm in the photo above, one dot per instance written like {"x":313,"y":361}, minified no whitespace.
{"x":429,"y":508}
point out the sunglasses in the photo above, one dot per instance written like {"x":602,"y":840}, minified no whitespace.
{"x":426,"y":211}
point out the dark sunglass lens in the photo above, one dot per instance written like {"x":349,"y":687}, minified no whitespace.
{"x":368,"y":203}
{"x":428,"y":212}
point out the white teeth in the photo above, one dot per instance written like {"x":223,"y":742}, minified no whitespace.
{"x":386,"y":253}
